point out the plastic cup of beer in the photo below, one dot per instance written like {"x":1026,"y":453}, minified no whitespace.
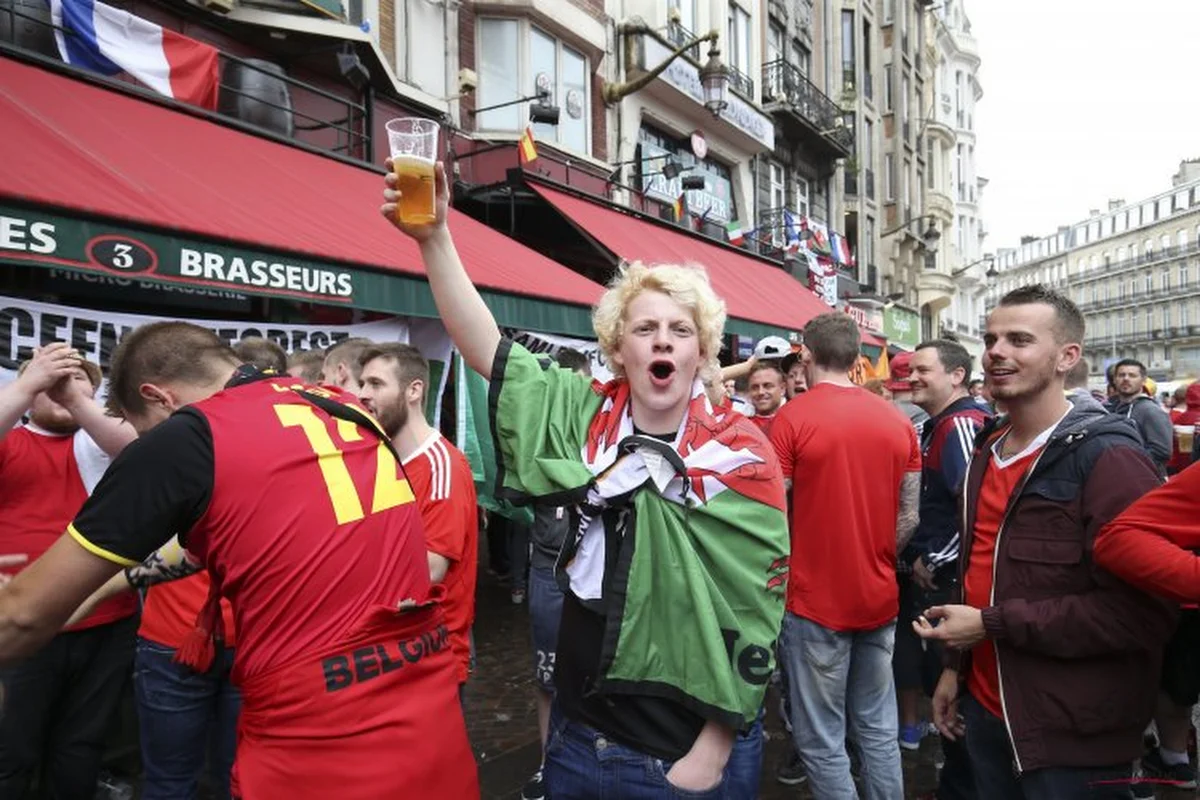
{"x":413,"y":142}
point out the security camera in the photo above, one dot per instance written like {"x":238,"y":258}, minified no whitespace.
{"x":467,"y":81}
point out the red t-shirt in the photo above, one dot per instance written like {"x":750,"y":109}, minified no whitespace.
{"x":301,"y":574}
{"x":44,"y":480}
{"x":169,"y":613}
{"x":999,"y":481}
{"x":764,"y":423}
{"x":441,"y":479}
{"x":845,"y":451}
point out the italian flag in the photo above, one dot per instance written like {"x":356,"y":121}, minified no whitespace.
{"x":735,"y":233}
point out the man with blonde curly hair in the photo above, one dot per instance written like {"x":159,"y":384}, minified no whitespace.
{"x":675,"y":564}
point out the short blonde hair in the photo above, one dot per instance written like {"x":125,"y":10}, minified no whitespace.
{"x":686,"y":285}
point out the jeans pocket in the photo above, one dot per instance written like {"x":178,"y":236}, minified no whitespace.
{"x":715,"y":793}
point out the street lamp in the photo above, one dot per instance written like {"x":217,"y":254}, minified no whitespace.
{"x":714,"y":75}
{"x":931,"y":236}
{"x":992,"y":272}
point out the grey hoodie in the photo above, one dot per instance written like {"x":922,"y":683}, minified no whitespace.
{"x":1152,"y":422}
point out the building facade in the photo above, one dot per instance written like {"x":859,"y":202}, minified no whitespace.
{"x":955,"y":187}
{"x":1134,"y":270}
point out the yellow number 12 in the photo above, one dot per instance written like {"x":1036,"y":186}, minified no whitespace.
{"x":389,"y":490}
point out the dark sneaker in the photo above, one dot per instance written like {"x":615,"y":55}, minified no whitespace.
{"x":535,"y":789}
{"x":1181,"y":776}
{"x":792,"y":772}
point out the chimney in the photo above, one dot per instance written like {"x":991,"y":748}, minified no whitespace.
{"x":1113,"y":205}
{"x":1028,"y":239}
{"x":1095,"y":212}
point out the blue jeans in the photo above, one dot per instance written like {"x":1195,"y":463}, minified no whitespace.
{"x":545,"y":611}
{"x":991,"y":757}
{"x":582,"y":764}
{"x":839,"y":680}
{"x":187,"y":719}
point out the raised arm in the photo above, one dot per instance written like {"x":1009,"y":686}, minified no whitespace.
{"x":49,"y":365}
{"x":109,"y":433}
{"x":467,"y":318}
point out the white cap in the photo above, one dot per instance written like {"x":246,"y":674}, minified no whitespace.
{"x":772,"y":347}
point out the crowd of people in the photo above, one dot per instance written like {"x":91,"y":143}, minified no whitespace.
{"x":284,"y":551}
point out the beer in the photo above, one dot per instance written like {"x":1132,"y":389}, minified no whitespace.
{"x":414,"y":178}
{"x":1185,"y":436}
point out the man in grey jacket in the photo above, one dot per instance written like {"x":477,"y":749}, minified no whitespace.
{"x":1129,"y":378}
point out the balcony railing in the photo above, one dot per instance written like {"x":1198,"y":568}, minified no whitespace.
{"x":258,"y":94}
{"x":679,"y":36}
{"x":742,"y":83}
{"x":785,"y":83}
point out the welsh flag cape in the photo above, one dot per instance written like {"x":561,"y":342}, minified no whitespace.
{"x":682,"y":547}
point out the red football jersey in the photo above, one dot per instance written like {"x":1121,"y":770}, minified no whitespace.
{"x":311,"y":523}
{"x":441,"y":479}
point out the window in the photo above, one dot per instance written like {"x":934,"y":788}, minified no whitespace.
{"x":868,"y":144}
{"x":887,"y":89}
{"x":775,"y":38}
{"x":904,"y":106}
{"x":958,"y":97}
{"x":1183,"y":314}
{"x":1148,"y":246}
{"x":889,"y":178}
{"x":867,"y":256}
{"x":1165,"y":283}
{"x":1121,"y":222}
{"x":801,"y":57}
{"x":906,"y":181}
{"x":1164,"y":242}
{"x":739,"y":39}
{"x":801,"y":191}
{"x":889,"y":9}
{"x":848,"y":48}
{"x":516,"y":59}
{"x":1148,"y":282}
{"x":1122,"y":254}
{"x":1181,"y":240}
{"x":778,"y":200}
{"x":1183,"y":274}
{"x":866,"y":53}
{"x":687,"y":13}
{"x":1133,"y":252}
{"x":1163,"y":208}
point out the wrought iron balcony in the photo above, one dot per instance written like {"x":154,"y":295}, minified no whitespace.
{"x":679,"y":36}
{"x":786,"y":86}
{"x":742,"y":83}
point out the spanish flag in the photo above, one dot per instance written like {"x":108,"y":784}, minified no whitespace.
{"x":526,"y":147}
{"x":679,"y":206}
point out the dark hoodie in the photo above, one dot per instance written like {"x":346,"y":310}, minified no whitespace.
{"x":1188,"y":419}
{"x":1153,"y":424}
{"x":1078,"y":651}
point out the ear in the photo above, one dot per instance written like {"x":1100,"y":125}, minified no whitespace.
{"x":415,"y":393}
{"x":1068,"y":357}
{"x":158,"y":396}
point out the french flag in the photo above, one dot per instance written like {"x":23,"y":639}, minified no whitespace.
{"x":110,"y":41}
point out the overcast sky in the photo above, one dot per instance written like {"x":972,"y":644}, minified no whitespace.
{"x":1083,"y":101}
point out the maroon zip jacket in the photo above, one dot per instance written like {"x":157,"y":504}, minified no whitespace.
{"x":1079,"y":652}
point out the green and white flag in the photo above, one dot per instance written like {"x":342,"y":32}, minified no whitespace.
{"x":683,"y":547}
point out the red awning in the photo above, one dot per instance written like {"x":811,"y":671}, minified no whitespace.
{"x":752,"y":290}
{"x":74,"y":145}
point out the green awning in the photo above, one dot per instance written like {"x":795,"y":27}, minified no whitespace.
{"x":55,"y":241}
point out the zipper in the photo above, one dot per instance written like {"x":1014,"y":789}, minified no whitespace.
{"x":992,"y":595}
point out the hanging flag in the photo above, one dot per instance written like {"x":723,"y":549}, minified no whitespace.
{"x":526,"y":146}
{"x":791,"y":232}
{"x":110,"y":41}
{"x":840,"y":249}
{"x":679,"y":204}
{"x":735,"y":233}
{"x":818,"y":238}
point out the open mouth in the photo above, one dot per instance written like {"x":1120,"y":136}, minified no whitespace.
{"x":1001,"y":372}
{"x":661,"y":372}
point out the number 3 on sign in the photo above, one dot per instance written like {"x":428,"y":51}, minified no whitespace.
{"x":389,"y":491}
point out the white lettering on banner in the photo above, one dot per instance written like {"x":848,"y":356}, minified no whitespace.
{"x":684,"y":76}
{"x":210,"y":266}
{"x":25,"y":325}
{"x":869,"y":318}
{"x":18,"y":234}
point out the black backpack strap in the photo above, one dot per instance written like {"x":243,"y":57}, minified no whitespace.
{"x":351,"y":414}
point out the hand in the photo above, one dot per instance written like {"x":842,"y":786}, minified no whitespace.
{"x":961,"y":627}
{"x":945,"y":706}
{"x":391,"y":198}
{"x":14,"y":560}
{"x":68,"y":392}
{"x":49,"y":365}
{"x":922,"y":575}
{"x":694,"y":773}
